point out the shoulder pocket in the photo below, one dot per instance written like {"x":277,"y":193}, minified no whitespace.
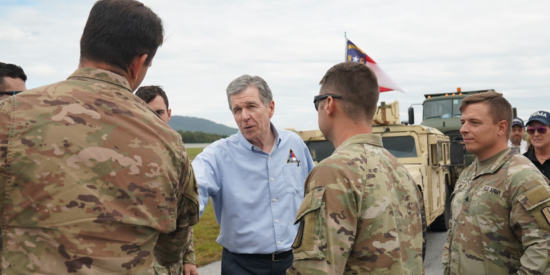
{"x":537,"y":202}
{"x":191,"y":192}
{"x":310,"y":236}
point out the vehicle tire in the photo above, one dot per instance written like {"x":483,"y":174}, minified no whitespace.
{"x":441,"y":223}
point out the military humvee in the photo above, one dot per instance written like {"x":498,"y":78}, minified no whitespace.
{"x":424,"y":151}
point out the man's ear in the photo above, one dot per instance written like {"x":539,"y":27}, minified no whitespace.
{"x":137,"y":65}
{"x":502,"y":127}
{"x":271,"y":108}
{"x":169,"y":115}
{"x":330,"y":106}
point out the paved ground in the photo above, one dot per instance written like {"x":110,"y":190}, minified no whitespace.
{"x":434,"y":251}
{"x":211,"y":269}
{"x":432,"y":263}
{"x":196,"y":145}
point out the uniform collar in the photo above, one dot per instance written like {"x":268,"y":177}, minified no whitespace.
{"x":251,"y":147}
{"x":371,"y":139}
{"x":101,"y":75}
{"x":491,"y":168}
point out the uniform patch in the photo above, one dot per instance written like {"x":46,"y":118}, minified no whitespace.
{"x":292,"y":158}
{"x":492,"y":190}
{"x":546,"y":213}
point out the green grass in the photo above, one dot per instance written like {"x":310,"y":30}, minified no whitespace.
{"x":193,"y":152}
{"x":207,"y":250}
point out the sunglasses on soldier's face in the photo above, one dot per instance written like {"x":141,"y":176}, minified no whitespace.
{"x":540,"y":129}
{"x":10,"y":93}
{"x":318,"y":98}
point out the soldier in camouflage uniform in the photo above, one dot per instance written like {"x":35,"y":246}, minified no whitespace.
{"x":501,"y":204}
{"x":362,"y":212}
{"x":156,"y":98}
{"x":12,"y":80}
{"x":91,"y":180}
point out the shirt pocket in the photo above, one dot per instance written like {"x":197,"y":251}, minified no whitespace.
{"x":489,"y":203}
{"x":293,"y":178}
{"x":311,"y":233}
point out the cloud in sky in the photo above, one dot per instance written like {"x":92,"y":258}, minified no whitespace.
{"x":426,"y":46}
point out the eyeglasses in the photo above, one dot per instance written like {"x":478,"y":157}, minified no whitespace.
{"x":318,"y":98}
{"x":540,"y":129}
{"x":10,"y":93}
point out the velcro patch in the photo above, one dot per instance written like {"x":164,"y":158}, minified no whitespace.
{"x":492,"y":190}
{"x":537,"y":195}
{"x":307,"y":216}
{"x":546,"y":212}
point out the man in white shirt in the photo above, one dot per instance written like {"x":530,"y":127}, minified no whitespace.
{"x":516,"y":138}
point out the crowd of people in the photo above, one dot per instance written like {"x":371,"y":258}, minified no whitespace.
{"x":94,"y":181}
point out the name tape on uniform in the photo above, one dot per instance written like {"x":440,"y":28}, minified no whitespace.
{"x":492,"y":190}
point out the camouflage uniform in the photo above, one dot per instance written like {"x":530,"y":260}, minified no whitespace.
{"x":360,"y":215}
{"x":500,"y":219}
{"x":91,"y":181}
{"x":188,"y":257}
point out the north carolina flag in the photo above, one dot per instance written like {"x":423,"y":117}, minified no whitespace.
{"x":385,"y":82}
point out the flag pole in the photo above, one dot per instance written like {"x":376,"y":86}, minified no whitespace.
{"x":345,"y":47}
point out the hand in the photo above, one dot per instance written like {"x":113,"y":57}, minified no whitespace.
{"x":190,"y":269}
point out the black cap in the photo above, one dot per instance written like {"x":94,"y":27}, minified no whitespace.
{"x":518,"y":121}
{"x":540,"y":116}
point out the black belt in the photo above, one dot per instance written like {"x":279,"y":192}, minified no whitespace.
{"x":277,"y":256}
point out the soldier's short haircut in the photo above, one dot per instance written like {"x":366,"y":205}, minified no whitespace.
{"x":10,"y":70}
{"x":148,"y":93}
{"x":242,"y":82}
{"x":119,"y":30}
{"x":358,"y":86}
{"x":499,"y":108}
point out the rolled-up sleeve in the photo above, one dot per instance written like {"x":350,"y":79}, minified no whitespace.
{"x":170,"y":246}
{"x":189,"y":255}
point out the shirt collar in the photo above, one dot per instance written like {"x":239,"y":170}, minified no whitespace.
{"x":492,"y":166}
{"x":251,"y":147}
{"x":102,"y":75}
{"x":531,"y":155}
{"x":371,"y":139}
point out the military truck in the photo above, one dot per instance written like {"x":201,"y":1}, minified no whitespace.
{"x":440,"y":111}
{"x":423,"y":150}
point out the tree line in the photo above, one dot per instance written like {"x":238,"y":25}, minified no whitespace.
{"x":199,"y":137}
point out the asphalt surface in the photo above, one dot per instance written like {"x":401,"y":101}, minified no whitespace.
{"x":196,"y":145}
{"x":434,"y":251}
{"x":432,"y":263}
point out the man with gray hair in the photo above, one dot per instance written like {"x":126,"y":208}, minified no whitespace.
{"x":256,"y":181}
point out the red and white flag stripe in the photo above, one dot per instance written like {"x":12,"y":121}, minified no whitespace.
{"x":385,"y":82}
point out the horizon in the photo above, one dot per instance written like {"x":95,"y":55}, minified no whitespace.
{"x":426,"y":47}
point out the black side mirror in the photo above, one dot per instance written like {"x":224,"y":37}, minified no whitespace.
{"x":411,"y":116}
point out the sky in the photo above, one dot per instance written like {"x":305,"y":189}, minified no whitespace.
{"x":425,"y":46}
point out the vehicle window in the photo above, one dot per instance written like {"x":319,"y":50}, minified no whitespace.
{"x":456,"y":105}
{"x":400,"y":147}
{"x":438,"y":109}
{"x":320,"y":150}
